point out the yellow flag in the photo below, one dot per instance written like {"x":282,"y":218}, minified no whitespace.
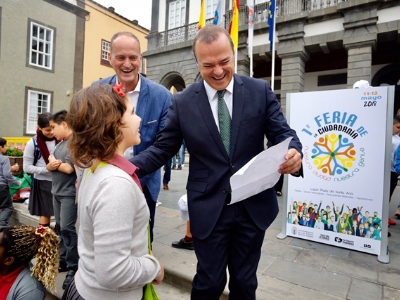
{"x":234,"y":25}
{"x":202,"y":21}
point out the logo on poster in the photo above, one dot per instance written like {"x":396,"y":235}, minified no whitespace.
{"x":324,"y":237}
{"x":334,"y":155}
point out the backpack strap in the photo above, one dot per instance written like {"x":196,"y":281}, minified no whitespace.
{"x":36,"y":153}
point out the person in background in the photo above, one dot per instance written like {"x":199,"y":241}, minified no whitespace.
{"x":18,"y":246}
{"x":6,"y":205}
{"x":151,"y":101}
{"x":224,"y":119}
{"x":181,"y":157}
{"x":36,"y":162}
{"x":187,"y":241}
{"x":395,"y":145}
{"x":167,"y":174}
{"x":64,"y":193}
{"x":113,"y":239}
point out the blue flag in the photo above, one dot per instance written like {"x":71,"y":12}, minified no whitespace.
{"x":271,"y":17}
{"x":218,"y":14}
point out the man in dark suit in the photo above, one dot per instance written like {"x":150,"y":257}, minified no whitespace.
{"x":150,"y":100}
{"x":223,"y":235}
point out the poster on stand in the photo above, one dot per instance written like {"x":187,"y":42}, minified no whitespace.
{"x":340,"y":199}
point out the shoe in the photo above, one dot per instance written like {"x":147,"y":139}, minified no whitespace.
{"x":179,"y":167}
{"x":173,"y":167}
{"x":68,"y":279}
{"x":391,"y":222}
{"x":158,"y":203}
{"x":397,"y":213}
{"x":166,"y":186}
{"x":181,"y":244}
{"x":389,"y":234}
{"x":62,"y":267}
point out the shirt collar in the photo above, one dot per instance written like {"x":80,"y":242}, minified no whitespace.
{"x":211,"y":92}
{"x":137,"y":88}
{"x":124,"y":164}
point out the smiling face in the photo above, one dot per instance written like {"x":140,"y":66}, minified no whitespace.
{"x":216,"y":62}
{"x":47,"y":131}
{"x":126,"y":59}
{"x":59,"y":130}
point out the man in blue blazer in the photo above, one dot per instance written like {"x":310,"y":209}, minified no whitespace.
{"x":223,"y":235}
{"x":150,"y":100}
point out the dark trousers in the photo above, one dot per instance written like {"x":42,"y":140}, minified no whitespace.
{"x":71,"y":293}
{"x":152,"y":208}
{"x":235,"y":242}
{"x":65,"y":212}
{"x":278,"y":186}
{"x":393,"y":183}
{"x":167,"y":172}
{"x":6,"y":205}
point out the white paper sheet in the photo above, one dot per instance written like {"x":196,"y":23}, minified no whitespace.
{"x":260,"y":173}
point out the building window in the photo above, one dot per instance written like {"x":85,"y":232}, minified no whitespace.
{"x":41,"y":46}
{"x":105,"y":49}
{"x":333,"y":79}
{"x":38,"y":102}
{"x":211,"y":6}
{"x":177,"y":14}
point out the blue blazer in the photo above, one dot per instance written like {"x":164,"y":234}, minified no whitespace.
{"x":152,"y":108}
{"x":256,"y":114}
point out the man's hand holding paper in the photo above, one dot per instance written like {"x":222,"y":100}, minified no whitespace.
{"x":264,"y":170}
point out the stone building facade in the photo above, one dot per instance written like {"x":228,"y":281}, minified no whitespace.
{"x":41,"y":60}
{"x":320,"y":44}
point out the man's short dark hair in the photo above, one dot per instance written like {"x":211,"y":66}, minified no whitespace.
{"x":59,"y":116}
{"x":3,"y":142}
{"x":209,"y":34}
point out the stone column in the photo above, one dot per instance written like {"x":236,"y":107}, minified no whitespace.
{"x":155,"y":11}
{"x":359,"y":64}
{"x":243,"y":60}
{"x":360,"y":38}
{"x":292,"y":77}
{"x":290,"y":32}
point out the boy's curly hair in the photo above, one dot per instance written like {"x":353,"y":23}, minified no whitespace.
{"x":25,"y":242}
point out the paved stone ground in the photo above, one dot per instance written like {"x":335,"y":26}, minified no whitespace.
{"x":289,"y":269}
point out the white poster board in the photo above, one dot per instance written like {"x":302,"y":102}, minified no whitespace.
{"x":341,"y":197}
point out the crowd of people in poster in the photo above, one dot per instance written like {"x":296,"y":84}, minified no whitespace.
{"x":352,"y":221}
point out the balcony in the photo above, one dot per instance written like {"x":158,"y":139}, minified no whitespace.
{"x":284,"y":7}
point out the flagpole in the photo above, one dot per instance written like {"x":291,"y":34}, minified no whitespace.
{"x":273,"y":54}
{"x":233,"y":4}
{"x":250,"y":24}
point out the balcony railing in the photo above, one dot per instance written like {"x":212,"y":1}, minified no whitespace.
{"x":283,"y":8}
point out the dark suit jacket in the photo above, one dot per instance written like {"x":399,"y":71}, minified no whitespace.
{"x":152,"y":108}
{"x":256,"y":114}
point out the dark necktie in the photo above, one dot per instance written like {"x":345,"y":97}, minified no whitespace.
{"x":224,"y":119}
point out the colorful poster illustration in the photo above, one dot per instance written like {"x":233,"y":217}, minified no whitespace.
{"x":339,"y":201}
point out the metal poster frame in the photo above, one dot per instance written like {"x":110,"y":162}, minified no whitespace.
{"x":354,"y":103}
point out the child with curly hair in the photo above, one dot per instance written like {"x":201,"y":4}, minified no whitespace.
{"x":112,"y":210}
{"x":18,"y":246}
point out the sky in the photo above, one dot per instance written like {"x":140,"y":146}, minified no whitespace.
{"x":131,"y":9}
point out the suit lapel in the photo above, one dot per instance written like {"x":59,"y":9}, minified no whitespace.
{"x":237,"y":110}
{"x":205,"y":110}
